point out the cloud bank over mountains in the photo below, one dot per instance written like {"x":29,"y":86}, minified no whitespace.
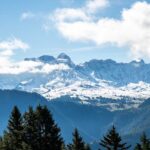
{"x":83,"y":23}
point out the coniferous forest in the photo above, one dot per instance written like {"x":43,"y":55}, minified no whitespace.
{"x":37,"y":130}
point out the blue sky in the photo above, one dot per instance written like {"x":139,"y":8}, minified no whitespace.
{"x":90,"y":32}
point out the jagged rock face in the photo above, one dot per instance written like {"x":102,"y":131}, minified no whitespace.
{"x":93,"y":82}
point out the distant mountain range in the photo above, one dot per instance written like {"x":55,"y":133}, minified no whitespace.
{"x":103,"y":83}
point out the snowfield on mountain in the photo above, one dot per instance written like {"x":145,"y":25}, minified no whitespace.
{"x":93,"y":82}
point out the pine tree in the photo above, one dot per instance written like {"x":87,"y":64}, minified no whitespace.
{"x":5,"y":142}
{"x":30,"y":130}
{"x":13,"y":137}
{"x":113,"y":141}
{"x":144,"y":143}
{"x":1,"y":143}
{"x":77,"y":142}
{"x":49,"y":137}
{"x":36,"y":131}
{"x":87,"y":147}
{"x":138,"y":147}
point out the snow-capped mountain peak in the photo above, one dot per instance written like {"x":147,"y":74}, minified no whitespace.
{"x":128,"y":84}
{"x":63,"y":58}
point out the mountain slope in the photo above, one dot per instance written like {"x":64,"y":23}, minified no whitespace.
{"x":92,"y":121}
{"x":128,"y":84}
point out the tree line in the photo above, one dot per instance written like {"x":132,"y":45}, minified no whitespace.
{"x":37,"y":130}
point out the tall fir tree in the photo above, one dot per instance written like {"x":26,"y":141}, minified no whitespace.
{"x":144,"y":143}
{"x":13,"y":137}
{"x":87,"y":147}
{"x":5,"y":142}
{"x":1,"y":143}
{"x":113,"y":141}
{"x":49,"y":137}
{"x":138,"y":147}
{"x":30,"y":130}
{"x":36,"y":131}
{"x":77,"y":142}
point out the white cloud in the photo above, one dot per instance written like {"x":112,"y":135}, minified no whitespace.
{"x":95,"y":5}
{"x":27,"y":15}
{"x":70,"y":14}
{"x":132,"y":30}
{"x":7,"y":66}
{"x":18,"y":67}
{"x":7,"y":49}
{"x":12,"y":44}
{"x":47,"y":68}
{"x":82,"y":13}
{"x":30,"y":67}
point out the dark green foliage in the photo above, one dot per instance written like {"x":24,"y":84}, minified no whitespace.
{"x":77,"y":142}
{"x":5,"y":142}
{"x":113,"y":141}
{"x":13,"y":137}
{"x":138,"y":147}
{"x":30,"y":129}
{"x":36,"y":130}
{"x":1,"y":143}
{"x":48,"y":133}
{"x":144,"y":143}
{"x":87,"y":147}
